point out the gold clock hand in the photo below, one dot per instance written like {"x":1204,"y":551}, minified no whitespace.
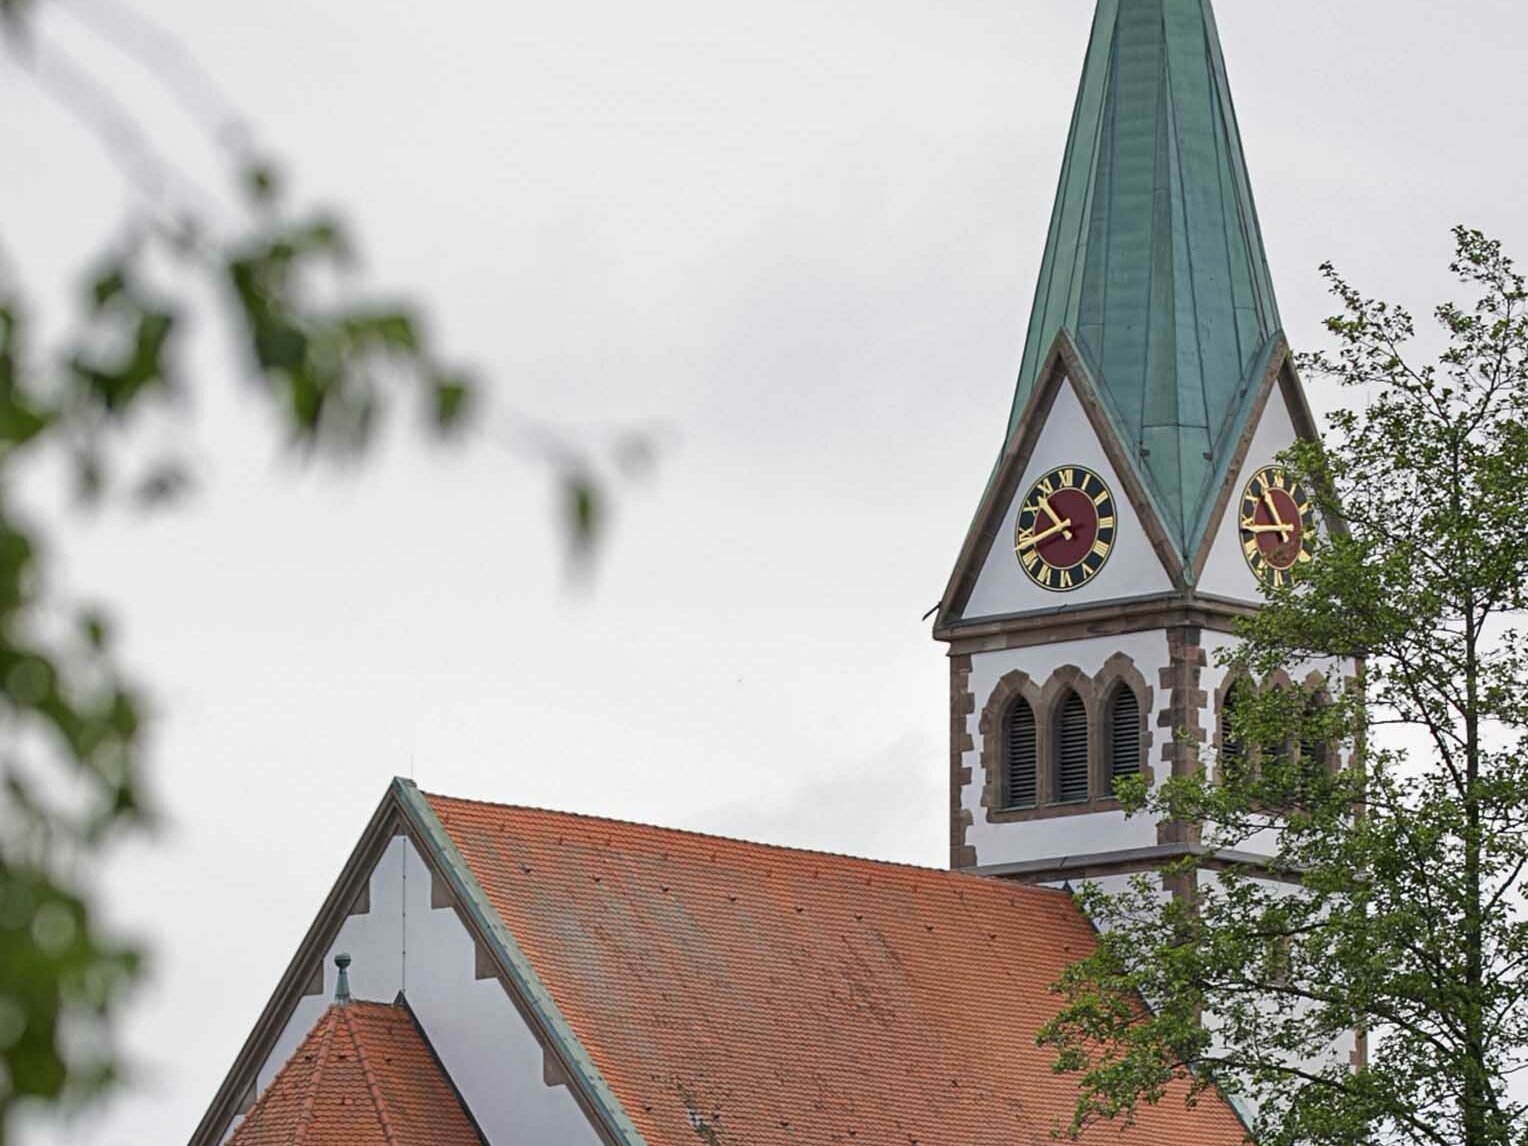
{"x":1252,"y":527}
{"x":1273,"y":509}
{"x":1061,"y":527}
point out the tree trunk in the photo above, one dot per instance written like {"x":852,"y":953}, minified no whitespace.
{"x":1477,"y":1095}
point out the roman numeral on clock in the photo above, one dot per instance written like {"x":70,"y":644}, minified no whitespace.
{"x":1066,"y":528}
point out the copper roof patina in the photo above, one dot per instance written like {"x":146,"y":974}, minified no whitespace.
{"x":1154,"y":263}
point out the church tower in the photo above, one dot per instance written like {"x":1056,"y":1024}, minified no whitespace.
{"x":1136,"y":502}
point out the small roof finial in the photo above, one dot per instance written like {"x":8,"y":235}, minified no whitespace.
{"x":342,"y":988}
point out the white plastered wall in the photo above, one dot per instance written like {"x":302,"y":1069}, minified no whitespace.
{"x":403,"y":944}
{"x":1341,"y":1052}
{"x":1069,"y":835}
{"x":1133,"y":569}
{"x":1226,"y":573}
{"x":1099,"y":832}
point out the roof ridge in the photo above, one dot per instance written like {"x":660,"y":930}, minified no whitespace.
{"x":712,"y":837}
{"x":373,"y":1086}
{"x":321,"y":1058}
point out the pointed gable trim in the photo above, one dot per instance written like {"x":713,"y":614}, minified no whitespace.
{"x":403,"y":811}
{"x":525,"y":985}
{"x":293,"y":986}
{"x":1063,"y":363}
{"x":1281,"y":373}
{"x":1278,"y":372}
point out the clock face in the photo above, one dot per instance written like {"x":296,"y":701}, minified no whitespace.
{"x":1066,"y":529}
{"x":1278,"y":523}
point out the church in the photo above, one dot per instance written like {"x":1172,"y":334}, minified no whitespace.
{"x":516,"y":977}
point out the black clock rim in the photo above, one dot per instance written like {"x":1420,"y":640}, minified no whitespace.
{"x":1306,"y":524}
{"x":1113,"y":531}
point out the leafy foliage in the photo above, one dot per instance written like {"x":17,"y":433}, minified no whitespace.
{"x":326,"y":359}
{"x":327,"y":371}
{"x":1393,"y":904}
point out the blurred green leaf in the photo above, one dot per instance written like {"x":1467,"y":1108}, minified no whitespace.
{"x":279,"y":345}
{"x":452,"y":396}
{"x":110,"y":285}
{"x":22,"y":418}
{"x":583,"y":517}
{"x":56,"y":970}
{"x":261,"y":182}
{"x":96,"y":629}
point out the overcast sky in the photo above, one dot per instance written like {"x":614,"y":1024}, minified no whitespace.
{"x":800,"y":238}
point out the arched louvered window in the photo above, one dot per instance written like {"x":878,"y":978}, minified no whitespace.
{"x":1315,"y":754}
{"x":1235,"y":760}
{"x":1072,"y":750}
{"x":1020,"y":755}
{"x":1124,"y":734}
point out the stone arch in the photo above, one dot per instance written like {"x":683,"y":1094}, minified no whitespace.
{"x":1045,"y":700}
{"x":1120,"y":672}
{"x":1012,"y":686}
{"x":1229,"y":687}
{"x":1318,"y":694}
{"x":1066,"y":681}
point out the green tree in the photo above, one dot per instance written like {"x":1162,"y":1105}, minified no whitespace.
{"x":1395,"y":906}
{"x":326,"y":356}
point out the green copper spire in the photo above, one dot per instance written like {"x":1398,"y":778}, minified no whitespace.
{"x":1155,"y":263}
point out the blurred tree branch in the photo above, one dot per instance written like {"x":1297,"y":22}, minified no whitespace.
{"x":325,"y":354}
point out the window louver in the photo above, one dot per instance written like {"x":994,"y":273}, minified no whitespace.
{"x":1072,"y":743}
{"x":1233,"y":751}
{"x":1315,"y":756}
{"x":1019,"y":732}
{"x":1125,"y":734}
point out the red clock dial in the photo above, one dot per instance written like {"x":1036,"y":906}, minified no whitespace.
{"x":1066,"y":529}
{"x":1278,"y":522}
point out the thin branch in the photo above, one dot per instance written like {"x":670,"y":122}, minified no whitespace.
{"x":160,"y":53}
{"x":147,"y":170}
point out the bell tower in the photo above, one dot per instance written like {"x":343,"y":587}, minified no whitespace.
{"x":1136,"y":502}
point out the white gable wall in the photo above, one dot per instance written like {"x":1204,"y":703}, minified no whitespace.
{"x":1226,"y":573}
{"x":403,"y":944}
{"x":1133,"y":569}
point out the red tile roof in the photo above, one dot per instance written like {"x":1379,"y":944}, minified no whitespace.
{"x":364,"y":1076}
{"x":731,"y":992}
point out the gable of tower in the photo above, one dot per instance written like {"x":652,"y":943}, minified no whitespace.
{"x":1281,"y":418}
{"x":1066,"y":428}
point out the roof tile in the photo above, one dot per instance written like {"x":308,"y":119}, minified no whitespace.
{"x":737,"y":993}
{"x":364,"y":1076}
